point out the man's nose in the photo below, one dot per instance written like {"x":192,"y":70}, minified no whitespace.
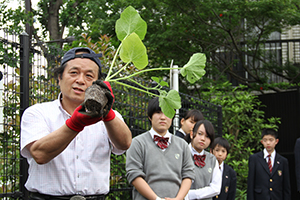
{"x":80,"y":79}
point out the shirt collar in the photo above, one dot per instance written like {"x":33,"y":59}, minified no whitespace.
{"x":182,"y":131}
{"x":222,"y":166}
{"x":153,"y":132}
{"x":193,"y":151}
{"x":272,"y":154}
{"x":60,"y":105}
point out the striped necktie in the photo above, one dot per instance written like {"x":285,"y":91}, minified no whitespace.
{"x":270,"y":163}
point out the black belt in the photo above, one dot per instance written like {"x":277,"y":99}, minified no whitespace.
{"x":39,"y":196}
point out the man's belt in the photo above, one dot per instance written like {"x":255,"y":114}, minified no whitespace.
{"x":39,"y":196}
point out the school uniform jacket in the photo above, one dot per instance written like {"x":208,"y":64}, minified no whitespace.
{"x":179,"y":134}
{"x":186,"y":138}
{"x":297,"y":163}
{"x":262,"y":185}
{"x":228,"y":188}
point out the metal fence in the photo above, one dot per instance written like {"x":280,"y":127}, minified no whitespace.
{"x":27,"y":80}
{"x":273,"y":53}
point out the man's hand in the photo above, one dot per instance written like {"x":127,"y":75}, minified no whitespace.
{"x":109,"y":114}
{"x":79,"y":119}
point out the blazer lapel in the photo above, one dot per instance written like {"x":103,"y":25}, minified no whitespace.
{"x":276,"y":164}
{"x":224,"y":176}
{"x":263,"y":162}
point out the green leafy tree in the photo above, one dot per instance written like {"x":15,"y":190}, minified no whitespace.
{"x":226,"y":31}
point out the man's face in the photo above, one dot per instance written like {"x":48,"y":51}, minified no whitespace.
{"x":187,"y":125}
{"x":269,"y":142}
{"x":160,"y":123}
{"x":201,"y":141}
{"x":78,"y":75}
{"x":220,"y":153}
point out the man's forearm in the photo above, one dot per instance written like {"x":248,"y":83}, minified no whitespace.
{"x":119,"y":133}
{"x":48,"y":147}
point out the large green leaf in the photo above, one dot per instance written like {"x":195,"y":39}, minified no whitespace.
{"x":194,"y":69}
{"x":133,"y":50}
{"x":130,"y":22}
{"x":169,"y":102}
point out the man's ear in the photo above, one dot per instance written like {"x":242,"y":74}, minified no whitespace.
{"x":261,"y":141}
{"x":276,"y":141}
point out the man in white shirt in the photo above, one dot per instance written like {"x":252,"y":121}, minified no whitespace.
{"x":68,"y":151}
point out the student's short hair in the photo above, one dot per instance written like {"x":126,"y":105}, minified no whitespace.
{"x":153,"y":107}
{"x":210,"y":130}
{"x":220,"y":141}
{"x":196,"y":115}
{"x":269,"y":131}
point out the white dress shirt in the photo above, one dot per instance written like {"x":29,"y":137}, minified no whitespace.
{"x":82,"y":168}
{"x":272,"y":156}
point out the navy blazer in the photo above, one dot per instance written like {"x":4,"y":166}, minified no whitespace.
{"x":228,"y":187}
{"x":262,"y":185}
{"x":297,"y":163}
{"x":185,"y":137}
{"x":179,"y":134}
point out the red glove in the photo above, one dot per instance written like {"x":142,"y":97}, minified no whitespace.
{"x":110,"y":114}
{"x":79,"y":120}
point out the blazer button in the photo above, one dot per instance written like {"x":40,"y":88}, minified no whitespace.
{"x":217,"y":197}
{"x":271,"y":189}
{"x":271,"y":180}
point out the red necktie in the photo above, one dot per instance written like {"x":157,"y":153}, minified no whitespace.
{"x":199,"y":160}
{"x":161,"y":141}
{"x":270,"y":164}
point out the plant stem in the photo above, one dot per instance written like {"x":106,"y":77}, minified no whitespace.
{"x":146,"y":88}
{"x":135,"y":88}
{"x":118,"y":71}
{"x":112,"y":63}
{"x":143,"y":71}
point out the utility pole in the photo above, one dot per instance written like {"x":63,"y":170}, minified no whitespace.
{"x":28,"y":27}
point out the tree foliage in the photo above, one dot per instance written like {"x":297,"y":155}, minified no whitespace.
{"x":228,"y":32}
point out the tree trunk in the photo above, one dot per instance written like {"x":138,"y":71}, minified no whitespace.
{"x":55,"y":31}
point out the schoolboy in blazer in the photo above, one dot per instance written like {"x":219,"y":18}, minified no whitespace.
{"x":263,"y":183}
{"x":220,"y":148}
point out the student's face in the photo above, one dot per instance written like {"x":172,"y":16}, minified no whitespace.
{"x":201,"y":141}
{"x":220,"y":153}
{"x":269,"y":142}
{"x":78,"y":75}
{"x":160,"y":123}
{"x":187,"y":125}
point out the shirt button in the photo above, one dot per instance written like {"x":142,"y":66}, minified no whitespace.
{"x":271,"y":189}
